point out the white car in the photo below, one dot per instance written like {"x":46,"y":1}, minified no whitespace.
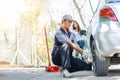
{"x":103,"y":36}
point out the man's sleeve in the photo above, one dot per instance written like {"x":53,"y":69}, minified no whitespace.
{"x":62,"y":38}
{"x":73,"y":38}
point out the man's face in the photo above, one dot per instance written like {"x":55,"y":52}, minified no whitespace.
{"x":67,"y":23}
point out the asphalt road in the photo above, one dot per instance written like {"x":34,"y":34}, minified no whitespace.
{"x":40,"y":74}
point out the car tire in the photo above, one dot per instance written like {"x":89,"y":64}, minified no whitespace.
{"x":100,"y":63}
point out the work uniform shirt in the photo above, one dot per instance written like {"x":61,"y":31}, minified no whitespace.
{"x":60,"y":38}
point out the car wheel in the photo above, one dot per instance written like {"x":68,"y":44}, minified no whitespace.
{"x":100,"y":63}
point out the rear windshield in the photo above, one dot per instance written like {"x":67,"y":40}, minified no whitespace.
{"x":113,"y":1}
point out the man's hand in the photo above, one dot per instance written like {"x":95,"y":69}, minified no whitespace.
{"x":87,"y":56}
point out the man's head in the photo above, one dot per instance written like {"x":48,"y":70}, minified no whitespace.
{"x":66,"y":21}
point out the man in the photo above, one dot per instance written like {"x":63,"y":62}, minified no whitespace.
{"x":63,"y":48}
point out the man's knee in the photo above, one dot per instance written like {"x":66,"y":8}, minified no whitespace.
{"x":56,"y":61}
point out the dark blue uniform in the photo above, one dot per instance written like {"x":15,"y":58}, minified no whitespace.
{"x":62,"y":52}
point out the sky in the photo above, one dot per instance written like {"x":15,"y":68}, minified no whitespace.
{"x":7,"y":10}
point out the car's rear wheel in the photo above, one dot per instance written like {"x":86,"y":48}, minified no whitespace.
{"x":100,"y":63}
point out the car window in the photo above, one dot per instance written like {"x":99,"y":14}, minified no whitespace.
{"x":113,"y":1}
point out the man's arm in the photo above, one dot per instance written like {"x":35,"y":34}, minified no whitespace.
{"x":76,"y":47}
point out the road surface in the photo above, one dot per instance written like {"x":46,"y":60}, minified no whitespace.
{"x":40,"y":74}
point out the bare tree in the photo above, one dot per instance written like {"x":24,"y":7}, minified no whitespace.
{"x":91,"y":6}
{"x":79,"y":12}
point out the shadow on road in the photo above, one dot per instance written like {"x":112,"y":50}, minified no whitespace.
{"x":114,"y":72}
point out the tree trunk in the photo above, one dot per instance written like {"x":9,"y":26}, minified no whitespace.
{"x":79,"y":12}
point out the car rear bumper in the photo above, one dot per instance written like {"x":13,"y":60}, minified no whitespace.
{"x":108,"y":43}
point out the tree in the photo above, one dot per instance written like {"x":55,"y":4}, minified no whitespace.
{"x":29,"y":23}
{"x":79,"y":12}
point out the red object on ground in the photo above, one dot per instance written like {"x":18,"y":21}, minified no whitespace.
{"x":52,"y":68}
{"x":49,"y":68}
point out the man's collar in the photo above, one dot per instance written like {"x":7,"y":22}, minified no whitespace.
{"x":63,"y":30}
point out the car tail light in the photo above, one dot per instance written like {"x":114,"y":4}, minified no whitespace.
{"x":108,"y":12}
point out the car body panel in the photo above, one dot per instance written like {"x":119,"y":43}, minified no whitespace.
{"x":116,"y":8}
{"x":105,"y":34}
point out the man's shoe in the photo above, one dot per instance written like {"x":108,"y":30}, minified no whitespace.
{"x":66,"y":74}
